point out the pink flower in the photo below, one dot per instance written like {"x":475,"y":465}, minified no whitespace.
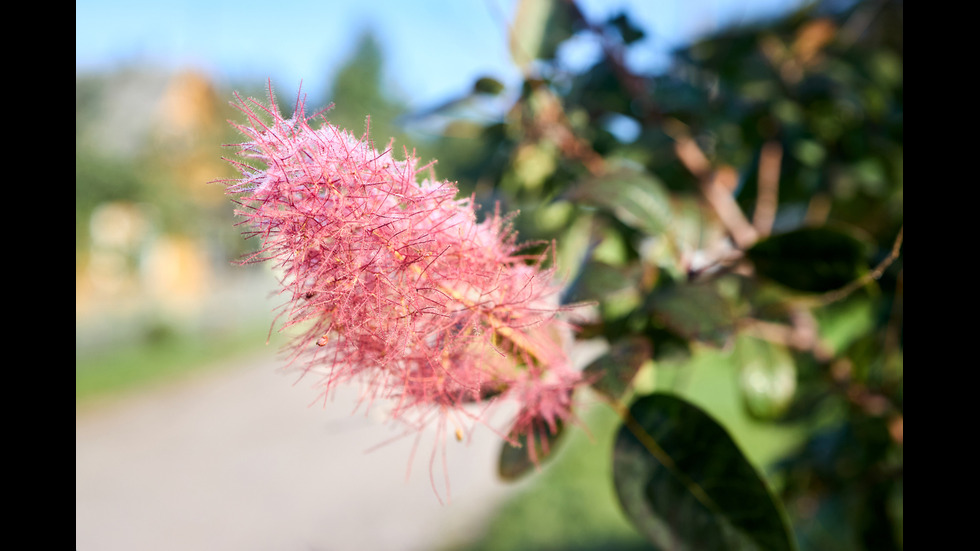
{"x":396,"y":282}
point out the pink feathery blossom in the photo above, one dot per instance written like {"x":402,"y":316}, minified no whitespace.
{"x":395,"y":281}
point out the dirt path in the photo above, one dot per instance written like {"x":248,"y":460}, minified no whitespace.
{"x":236,"y":460}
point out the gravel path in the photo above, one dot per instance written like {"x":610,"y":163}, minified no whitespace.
{"x":235,"y":459}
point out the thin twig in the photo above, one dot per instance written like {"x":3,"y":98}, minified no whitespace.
{"x":873,"y":275}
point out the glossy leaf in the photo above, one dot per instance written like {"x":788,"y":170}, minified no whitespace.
{"x":767,"y":377}
{"x":813,"y":260}
{"x":685,"y":484}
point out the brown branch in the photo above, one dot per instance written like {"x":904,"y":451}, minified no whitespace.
{"x":817,"y":210}
{"x":802,"y":333}
{"x":688,"y":151}
{"x":767,"y":199}
{"x":551,"y":122}
{"x":718,"y":189}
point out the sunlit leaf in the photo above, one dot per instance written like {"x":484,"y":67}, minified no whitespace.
{"x":844,"y":322}
{"x":685,"y":484}
{"x":767,"y":377}
{"x":539,"y":27}
{"x":534,"y":163}
{"x":634,"y":196}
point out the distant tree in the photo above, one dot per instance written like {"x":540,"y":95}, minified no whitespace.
{"x":359,"y":90}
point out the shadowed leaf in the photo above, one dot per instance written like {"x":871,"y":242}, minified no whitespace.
{"x":627,"y":30}
{"x":813,"y":260}
{"x":696,"y":491}
{"x":515,"y":462}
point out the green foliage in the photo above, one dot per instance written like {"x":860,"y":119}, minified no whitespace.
{"x":359,"y":89}
{"x":751,"y":213}
{"x":567,"y":504}
{"x":162,"y":355}
{"x":740,"y":242}
{"x":686,"y":485}
{"x":628,"y":194}
{"x":696,"y":312}
{"x":767,"y":377}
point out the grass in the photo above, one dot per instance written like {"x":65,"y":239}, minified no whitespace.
{"x":161,"y":356}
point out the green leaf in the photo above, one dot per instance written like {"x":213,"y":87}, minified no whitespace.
{"x":846,"y":321}
{"x":685,"y":484}
{"x":767,"y":377}
{"x":627,"y":30}
{"x":488,"y":85}
{"x":635,"y":197}
{"x":540,"y":26}
{"x":514,"y":460}
{"x":613,"y":372}
{"x":813,"y":260}
{"x":615,"y":288}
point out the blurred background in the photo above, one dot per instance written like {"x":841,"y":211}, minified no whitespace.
{"x":181,"y":411}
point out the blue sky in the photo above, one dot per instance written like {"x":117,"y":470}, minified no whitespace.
{"x":434,"y":49}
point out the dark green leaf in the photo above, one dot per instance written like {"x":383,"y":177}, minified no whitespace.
{"x":488,"y":85}
{"x":813,"y":260}
{"x":515,"y":461}
{"x":630,"y":32}
{"x":686,"y":485}
{"x":614,"y":371}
